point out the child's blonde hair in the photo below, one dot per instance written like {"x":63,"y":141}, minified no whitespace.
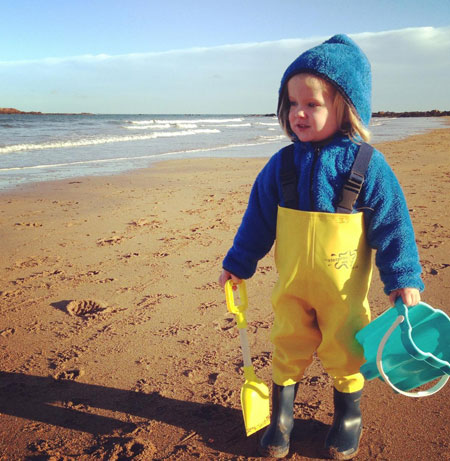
{"x":348,"y":121}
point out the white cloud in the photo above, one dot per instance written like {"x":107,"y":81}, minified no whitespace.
{"x":410,"y":71}
{"x":410,"y":68}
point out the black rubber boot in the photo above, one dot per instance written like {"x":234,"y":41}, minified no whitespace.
{"x":343,"y":438}
{"x":275,"y":441}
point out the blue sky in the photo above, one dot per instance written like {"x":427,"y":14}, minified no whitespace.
{"x":137,"y":56}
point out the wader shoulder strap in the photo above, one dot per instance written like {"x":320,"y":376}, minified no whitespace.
{"x":353,"y":185}
{"x":288,"y":178}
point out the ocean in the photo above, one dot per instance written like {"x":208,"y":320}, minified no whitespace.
{"x":51,"y":147}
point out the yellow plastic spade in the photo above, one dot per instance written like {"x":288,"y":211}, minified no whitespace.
{"x":254,"y":393}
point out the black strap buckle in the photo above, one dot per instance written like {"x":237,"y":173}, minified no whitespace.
{"x":355,"y":181}
{"x":350,"y":192}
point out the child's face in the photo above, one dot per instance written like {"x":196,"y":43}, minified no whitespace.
{"x":312,"y":116}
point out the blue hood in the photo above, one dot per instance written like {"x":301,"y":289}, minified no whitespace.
{"x":340,"y":61}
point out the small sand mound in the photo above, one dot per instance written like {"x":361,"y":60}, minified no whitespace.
{"x":85,"y":308}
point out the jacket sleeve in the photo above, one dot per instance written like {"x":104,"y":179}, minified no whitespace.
{"x":389,"y":228}
{"x":256,"y":234}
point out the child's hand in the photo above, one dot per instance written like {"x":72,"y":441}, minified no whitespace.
{"x":225,"y":275}
{"x":410,"y":296}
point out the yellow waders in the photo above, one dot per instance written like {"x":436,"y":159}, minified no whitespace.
{"x":320,"y":299}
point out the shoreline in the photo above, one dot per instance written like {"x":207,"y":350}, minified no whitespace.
{"x":114,"y":335}
{"x":97,"y":157}
{"x":264,"y":151}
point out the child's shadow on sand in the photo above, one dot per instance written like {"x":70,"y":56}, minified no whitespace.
{"x":220,"y":428}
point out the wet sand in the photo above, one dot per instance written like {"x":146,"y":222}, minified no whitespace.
{"x":115,"y":342}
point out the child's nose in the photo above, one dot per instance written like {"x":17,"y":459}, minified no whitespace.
{"x":301,"y":113}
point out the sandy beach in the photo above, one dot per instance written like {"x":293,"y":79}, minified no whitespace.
{"x":115,"y":341}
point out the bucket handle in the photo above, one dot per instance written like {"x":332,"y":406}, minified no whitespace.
{"x":437,"y":387}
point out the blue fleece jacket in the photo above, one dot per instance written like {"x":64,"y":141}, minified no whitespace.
{"x":322,"y":172}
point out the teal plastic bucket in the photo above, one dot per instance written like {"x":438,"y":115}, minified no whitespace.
{"x":409,"y":356}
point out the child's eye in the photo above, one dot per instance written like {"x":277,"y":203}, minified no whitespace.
{"x":292,"y":103}
{"x":312,"y":104}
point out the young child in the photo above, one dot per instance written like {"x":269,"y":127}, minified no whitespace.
{"x":323,"y":257}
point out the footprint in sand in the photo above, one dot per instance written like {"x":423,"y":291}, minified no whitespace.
{"x":7,"y":332}
{"x":212,"y":378}
{"x":110,"y":241}
{"x":256,"y":325}
{"x":144,"y":222}
{"x":259,"y":362}
{"x":433,"y":269}
{"x":123,"y":447}
{"x":432,"y":244}
{"x":71,"y":375}
{"x":203,"y":307}
{"x":307,"y":409}
{"x":317,"y":380}
{"x":208,"y":286}
{"x":225,"y":324}
{"x":85,"y":308}
{"x":128,"y":256}
{"x":262,"y":360}
{"x":143,"y":385}
{"x":47,"y":449}
{"x":191,"y":264}
{"x":28,"y":224}
{"x":154,"y":299}
{"x":32,"y":262}
{"x":264,"y":269}
{"x":175,"y":329}
{"x":221,"y":396}
{"x":11,"y":294}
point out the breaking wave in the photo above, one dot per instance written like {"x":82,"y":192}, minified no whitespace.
{"x":104,"y":140}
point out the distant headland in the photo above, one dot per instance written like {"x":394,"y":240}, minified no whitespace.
{"x":10,"y":110}
{"x":428,"y":113}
